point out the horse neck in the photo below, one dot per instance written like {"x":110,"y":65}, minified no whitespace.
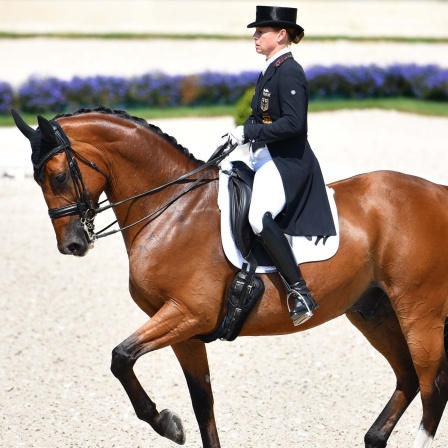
{"x":135,"y":158}
{"x":138,"y":160}
{"x":143,"y":161}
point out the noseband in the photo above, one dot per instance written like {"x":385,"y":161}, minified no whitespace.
{"x":83,"y":204}
{"x":87,"y":210}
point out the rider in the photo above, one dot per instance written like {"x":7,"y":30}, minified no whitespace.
{"x":288,"y":182}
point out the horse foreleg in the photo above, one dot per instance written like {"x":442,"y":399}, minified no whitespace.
{"x":385,"y":335}
{"x":192,"y":356}
{"x":168,"y":326}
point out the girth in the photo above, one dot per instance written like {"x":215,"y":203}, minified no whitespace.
{"x":246,"y":289}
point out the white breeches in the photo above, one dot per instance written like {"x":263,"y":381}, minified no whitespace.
{"x":268,"y":193}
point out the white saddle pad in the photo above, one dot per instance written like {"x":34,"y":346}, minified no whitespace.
{"x":305,"y":250}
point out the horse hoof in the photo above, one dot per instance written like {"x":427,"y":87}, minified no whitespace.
{"x":171,"y":427}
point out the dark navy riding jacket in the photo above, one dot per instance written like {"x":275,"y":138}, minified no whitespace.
{"x":279,"y":119}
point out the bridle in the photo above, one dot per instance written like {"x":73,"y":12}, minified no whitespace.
{"x":87,"y":210}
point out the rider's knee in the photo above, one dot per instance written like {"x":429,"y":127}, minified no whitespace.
{"x":256,"y":220}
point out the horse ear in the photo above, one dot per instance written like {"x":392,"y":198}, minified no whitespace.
{"x":26,"y":130}
{"x":46,"y":130}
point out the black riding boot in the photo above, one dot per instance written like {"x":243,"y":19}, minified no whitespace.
{"x":278,"y":248}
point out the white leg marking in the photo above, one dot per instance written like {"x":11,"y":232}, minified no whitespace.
{"x":424,"y":439}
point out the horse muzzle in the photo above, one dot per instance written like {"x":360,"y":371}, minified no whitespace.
{"x":74,"y":241}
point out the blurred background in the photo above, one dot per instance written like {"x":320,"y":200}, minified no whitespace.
{"x":176,"y":58}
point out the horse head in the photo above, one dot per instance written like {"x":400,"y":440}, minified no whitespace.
{"x":70,"y":189}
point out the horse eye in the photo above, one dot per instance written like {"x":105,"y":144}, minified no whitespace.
{"x":61,"y":178}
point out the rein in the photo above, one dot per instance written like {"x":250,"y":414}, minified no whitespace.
{"x":88,"y":211}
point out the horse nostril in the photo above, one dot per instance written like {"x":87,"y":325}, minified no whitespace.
{"x":76,"y":248}
{"x":73,"y":247}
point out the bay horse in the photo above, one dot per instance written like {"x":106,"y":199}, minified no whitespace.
{"x":389,"y":275}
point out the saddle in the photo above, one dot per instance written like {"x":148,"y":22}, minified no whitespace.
{"x":241,"y":179}
{"x":247,"y":287}
{"x":245,"y":252}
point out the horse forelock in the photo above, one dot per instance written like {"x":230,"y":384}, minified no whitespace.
{"x":43,"y":150}
{"x":139,"y":121}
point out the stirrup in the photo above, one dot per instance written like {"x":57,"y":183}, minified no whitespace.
{"x":301,"y":318}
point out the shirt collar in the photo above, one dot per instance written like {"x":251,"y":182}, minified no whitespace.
{"x":274,"y":57}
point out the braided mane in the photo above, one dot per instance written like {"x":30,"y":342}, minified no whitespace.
{"x":140,"y":121}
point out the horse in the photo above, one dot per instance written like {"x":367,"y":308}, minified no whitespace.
{"x":388,"y":275}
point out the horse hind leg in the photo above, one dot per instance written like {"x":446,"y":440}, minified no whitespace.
{"x":374,"y":316}
{"x":428,"y":338}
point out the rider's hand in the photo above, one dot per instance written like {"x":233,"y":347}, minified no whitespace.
{"x":236,"y":137}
